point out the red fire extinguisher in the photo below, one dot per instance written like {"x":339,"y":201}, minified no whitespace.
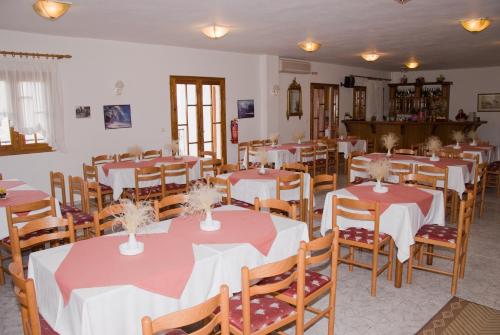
{"x":234,"y":131}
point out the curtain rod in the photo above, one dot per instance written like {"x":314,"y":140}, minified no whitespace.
{"x":33,"y":54}
{"x":372,"y":78}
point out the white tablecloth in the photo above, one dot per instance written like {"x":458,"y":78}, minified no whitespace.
{"x":487,"y":155}
{"x":279,"y":155}
{"x":400,"y":221}
{"x":346,"y":147}
{"x":4,"y":228}
{"x":248,"y":189}
{"x":120,"y":178}
{"x":119,"y":309}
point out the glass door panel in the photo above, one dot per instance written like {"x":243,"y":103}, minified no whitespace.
{"x":324,"y":107}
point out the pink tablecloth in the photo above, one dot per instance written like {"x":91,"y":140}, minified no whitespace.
{"x":8,"y":184}
{"x":166,"y":264}
{"x":132,"y":164}
{"x":396,"y":194}
{"x":254,"y":174}
{"x":18,"y":197}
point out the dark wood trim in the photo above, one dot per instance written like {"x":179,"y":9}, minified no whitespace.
{"x":19,"y":146}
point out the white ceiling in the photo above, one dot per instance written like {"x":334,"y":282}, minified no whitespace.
{"x":426,"y":29}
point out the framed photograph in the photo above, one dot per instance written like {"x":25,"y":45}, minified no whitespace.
{"x":489,"y":102}
{"x":117,"y":116}
{"x":245,"y":109}
{"x":82,"y":112}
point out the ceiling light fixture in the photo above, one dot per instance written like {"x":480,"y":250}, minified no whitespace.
{"x":215,"y":31}
{"x":412,"y":64}
{"x":402,"y":1}
{"x":475,"y":25}
{"x":370,"y":56}
{"x":51,"y":9}
{"x":309,"y":46}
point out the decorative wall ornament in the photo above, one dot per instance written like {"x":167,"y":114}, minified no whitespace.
{"x":294,"y":100}
{"x":246,"y":109}
{"x":82,"y":112}
{"x":119,"y":86}
{"x":117,"y":116}
{"x":276,"y":90}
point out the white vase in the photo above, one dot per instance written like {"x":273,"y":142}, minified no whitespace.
{"x":388,"y":153}
{"x":473,"y":143}
{"x":378,"y":188}
{"x":131,"y":247}
{"x":457,"y":146}
{"x":262,"y":170}
{"x":434,"y":158}
{"x":299,"y":141}
{"x":209,"y":224}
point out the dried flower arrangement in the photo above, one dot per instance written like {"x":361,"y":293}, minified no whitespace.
{"x":262,"y":159}
{"x":389,"y":141}
{"x":135,"y":150}
{"x":298,"y":136}
{"x":173,"y":147}
{"x":472,"y":134}
{"x":274,"y":138}
{"x":200,"y":200}
{"x":458,"y":137}
{"x":379,"y":169}
{"x":434,"y":145}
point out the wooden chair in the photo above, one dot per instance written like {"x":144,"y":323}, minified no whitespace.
{"x":295,"y":167}
{"x":478,"y":187}
{"x":306,"y":158}
{"x":170,"y":206}
{"x":223,"y":186}
{"x":94,"y":193}
{"x":409,"y":152}
{"x":226,"y":168}
{"x":24,"y":289}
{"x":333,"y":155}
{"x":91,"y":175}
{"x":352,"y":155}
{"x":447,"y":152}
{"x":35,"y":210}
{"x":320,"y":159}
{"x":255,"y":311}
{"x":104,"y":220}
{"x":419,"y":180}
{"x":356,"y":164}
{"x":400,"y":169}
{"x":178,"y":171}
{"x":243,"y":154}
{"x":289,"y":183}
{"x":58,"y":184}
{"x":39,"y":232}
{"x":103,"y":159}
{"x":208,"y":167}
{"x":127,"y":157}
{"x":82,"y":220}
{"x":150,"y":175}
{"x":150,"y":154}
{"x":441,"y":175}
{"x":493,"y":176}
{"x":451,"y":238}
{"x":321,"y":252}
{"x":207,"y":154}
{"x":371,"y":240}
{"x":210,"y":314}
{"x":256,"y":143}
{"x":370,"y":145}
{"x":319,"y":184}
{"x":277,"y":207}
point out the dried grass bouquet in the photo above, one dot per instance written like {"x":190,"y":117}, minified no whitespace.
{"x":201,"y":198}
{"x":134,"y":216}
{"x":389,"y":141}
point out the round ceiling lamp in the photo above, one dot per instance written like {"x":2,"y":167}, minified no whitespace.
{"x":412,"y":64}
{"x":215,"y":31}
{"x":309,"y":46}
{"x":402,"y":1}
{"x":370,"y":56}
{"x":51,"y":9}
{"x":475,"y":25}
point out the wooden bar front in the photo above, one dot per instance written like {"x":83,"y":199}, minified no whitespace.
{"x":410,"y":133}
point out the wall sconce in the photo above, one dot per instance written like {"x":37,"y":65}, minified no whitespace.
{"x":276,"y":90}
{"x":119,"y":85}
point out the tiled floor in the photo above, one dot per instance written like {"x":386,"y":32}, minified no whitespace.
{"x":393,"y":311}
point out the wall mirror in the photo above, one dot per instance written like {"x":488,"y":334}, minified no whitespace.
{"x":294,"y":100}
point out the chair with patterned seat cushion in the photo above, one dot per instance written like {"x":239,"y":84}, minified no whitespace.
{"x":24,"y":289}
{"x":350,"y":210}
{"x":103,"y":159}
{"x":58,"y":184}
{"x":150,"y":154}
{"x":306,"y":157}
{"x":400,"y":169}
{"x":149,"y":184}
{"x":206,"y":318}
{"x":256,"y":310}
{"x":170,"y":206}
{"x":357,"y":165}
{"x":419,"y":180}
{"x":454,"y":239}
{"x":493,"y":176}
{"x":91,"y":175}
{"x":293,"y":182}
{"x":81,"y":218}
{"x":320,"y":158}
{"x":276,"y":207}
{"x":223,"y":186}
{"x":478,"y":187}
{"x":20,"y":215}
{"x":105,"y":219}
{"x":208,"y":167}
{"x":175,"y":178}
{"x":320,"y":184}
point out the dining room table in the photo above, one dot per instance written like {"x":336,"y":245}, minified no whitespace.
{"x":487,"y":153}
{"x":280,"y":154}
{"x":121,"y":175}
{"x":348,"y":145}
{"x":89,"y":288}
{"x":404,"y":210}
{"x":19,"y":192}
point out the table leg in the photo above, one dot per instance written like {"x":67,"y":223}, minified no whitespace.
{"x":398,"y":278}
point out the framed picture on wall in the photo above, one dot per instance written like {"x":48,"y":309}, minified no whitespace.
{"x":245,"y":109}
{"x":488,"y":102}
{"x":117,"y":116}
{"x":82,"y":112}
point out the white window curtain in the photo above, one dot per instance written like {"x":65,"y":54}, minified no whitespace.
{"x":33,"y":100}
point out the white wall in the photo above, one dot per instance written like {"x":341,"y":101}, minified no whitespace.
{"x":467,"y":83}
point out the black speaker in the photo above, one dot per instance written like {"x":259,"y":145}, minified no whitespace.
{"x":349,"y":81}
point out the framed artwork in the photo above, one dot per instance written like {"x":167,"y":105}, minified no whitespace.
{"x":488,"y":102}
{"x":294,"y":100}
{"x":82,"y":112}
{"x":245,"y":109}
{"x":117,"y":116}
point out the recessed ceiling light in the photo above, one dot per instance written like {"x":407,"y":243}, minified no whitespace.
{"x":309,"y":46}
{"x":214,"y":31}
{"x":51,"y":9}
{"x":475,"y":25}
{"x":412,"y":64}
{"x":370,"y":56}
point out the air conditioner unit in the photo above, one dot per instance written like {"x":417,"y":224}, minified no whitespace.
{"x":294,"y":66}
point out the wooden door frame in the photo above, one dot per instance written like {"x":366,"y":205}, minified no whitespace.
{"x":311,"y":101}
{"x":199,"y":106}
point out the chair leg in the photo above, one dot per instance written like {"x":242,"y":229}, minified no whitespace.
{"x":456,"y":265}
{"x":391,"y":260}
{"x":430,"y":258}
{"x":374,"y":272}
{"x":351,"y":257}
{"x":331,"y":313}
{"x":409,"y":271}
{"x":2,"y":275}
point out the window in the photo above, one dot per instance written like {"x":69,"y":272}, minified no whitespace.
{"x":198,"y":114}
{"x":359,"y":103}
{"x":325,"y":110}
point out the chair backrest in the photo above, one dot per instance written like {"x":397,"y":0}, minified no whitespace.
{"x":323,"y":183}
{"x":170,"y":206}
{"x":207,"y":154}
{"x":78,"y":188}
{"x":226,"y":168}
{"x":146,"y":175}
{"x":208,"y":167}
{"x":441,"y":174}
{"x":178,"y":170}
{"x":105,"y":218}
{"x":306,"y":154}
{"x":30,"y":211}
{"x":24,"y":289}
{"x":448,"y":152}
{"x":358,"y":164}
{"x":419,"y":180}
{"x":409,"y":152}
{"x":94,"y":192}
{"x":90,"y":173}
{"x":256,"y":143}
{"x":127,"y":156}
{"x":149,"y":154}
{"x":223,"y":186}
{"x":103,"y":159}
{"x":352,"y":209}
{"x":465,"y":217}
{"x":470,"y":156}
{"x":57,"y":182}
{"x":215,"y":311}
{"x":242,"y":153}
{"x":320,"y":151}
{"x":291,"y":182}
{"x":480,"y":178}
{"x":295,"y":167}
{"x":40,"y":232}
{"x":400,"y":169}
{"x":277,"y":207}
